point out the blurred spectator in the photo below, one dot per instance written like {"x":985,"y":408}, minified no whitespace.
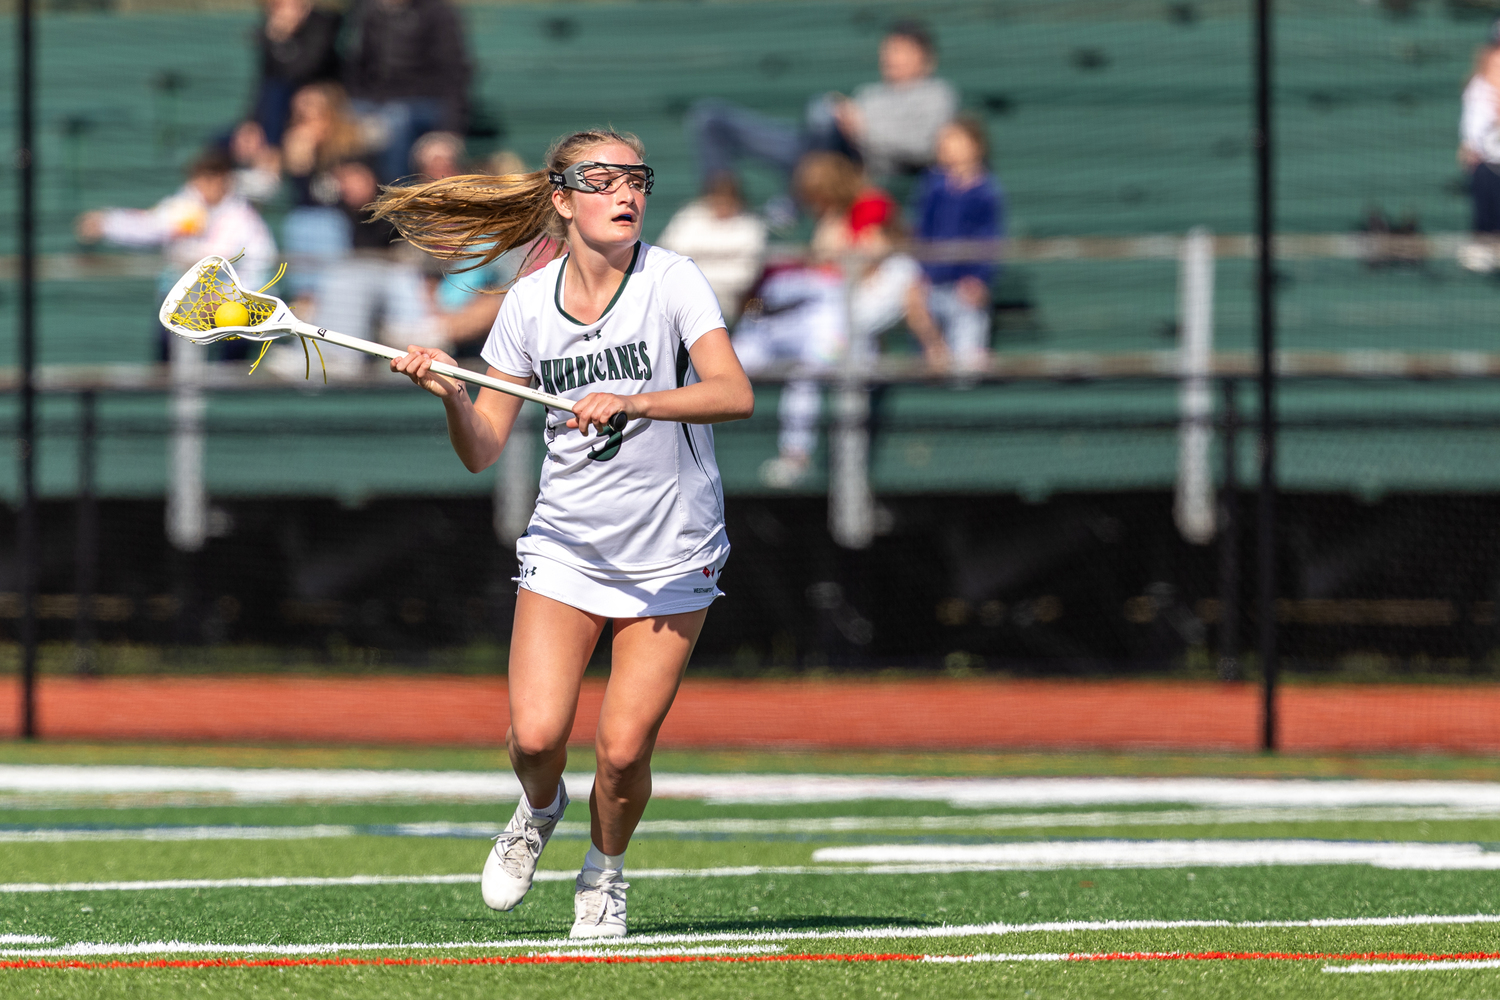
{"x":827,"y":184}
{"x":297,"y":47}
{"x":206,"y":216}
{"x":890,"y":126}
{"x":804,"y":316}
{"x":357,"y":189}
{"x":893,"y":124}
{"x":505,"y":161}
{"x":842,"y":202}
{"x":463,"y":305}
{"x":960,"y":199}
{"x":726,"y":242}
{"x":407,"y":66}
{"x":322,"y":134}
{"x":365,"y":289}
{"x":386,"y":291}
{"x":438,"y":155}
{"x":257,"y":163}
{"x":1479,"y":150}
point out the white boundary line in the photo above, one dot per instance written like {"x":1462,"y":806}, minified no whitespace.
{"x":92,"y":948}
{"x":1056,"y":956}
{"x":1438,"y":966}
{"x":286,"y":784}
{"x":245,"y":883}
{"x":771,"y":827}
{"x":176,"y":833}
{"x":1041,"y":855}
{"x":925,"y":859}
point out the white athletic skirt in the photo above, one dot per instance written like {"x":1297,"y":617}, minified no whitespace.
{"x":688,"y":589}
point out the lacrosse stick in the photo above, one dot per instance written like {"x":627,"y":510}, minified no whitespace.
{"x":192,"y":311}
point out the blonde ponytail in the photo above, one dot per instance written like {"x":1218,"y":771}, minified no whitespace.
{"x":474,"y":218}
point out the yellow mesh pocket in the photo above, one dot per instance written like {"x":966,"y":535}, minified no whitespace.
{"x":212,"y":289}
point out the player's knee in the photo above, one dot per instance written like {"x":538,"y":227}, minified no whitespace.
{"x":533,"y":742}
{"x":624,"y":756}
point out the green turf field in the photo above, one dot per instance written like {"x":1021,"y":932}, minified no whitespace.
{"x":742,"y":891}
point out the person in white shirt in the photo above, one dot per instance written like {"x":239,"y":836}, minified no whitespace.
{"x":726,"y":242}
{"x":206,"y":216}
{"x":1479,"y":152}
{"x":628,"y":526}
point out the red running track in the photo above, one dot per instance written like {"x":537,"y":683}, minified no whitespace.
{"x":872,"y":714}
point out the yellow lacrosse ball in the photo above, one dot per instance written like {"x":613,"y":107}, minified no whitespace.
{"x":231,"y":314}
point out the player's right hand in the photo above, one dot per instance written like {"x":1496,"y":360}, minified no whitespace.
{"x":416,"y":365}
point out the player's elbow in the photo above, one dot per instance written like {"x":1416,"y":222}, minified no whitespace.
{"x":477,"y":463}
{"x":742,"y":402}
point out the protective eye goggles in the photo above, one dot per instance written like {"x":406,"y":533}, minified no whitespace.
{"x":600,"y":178}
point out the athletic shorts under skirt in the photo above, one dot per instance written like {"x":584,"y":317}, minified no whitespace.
{"x":689,"y":589}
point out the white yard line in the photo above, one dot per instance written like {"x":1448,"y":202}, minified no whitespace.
{"x":542,"y":875}
{"x":1032,"y":856}
{"x":177,"y":833}
{"x":26,"y":939}
{"x":281,"y":882}
{"x":778,"y":827}
{"x":97,"y":948}
{"x":1057,"y":956}
{"x":1438,"y":966}
{"x":922,"y":859}
{"x":630,"y":951}
{"x":273,"y":785}
{"x":265,"y":784}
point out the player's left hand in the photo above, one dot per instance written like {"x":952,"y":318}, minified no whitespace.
{"x":595,"y":410}
{"x":416,"y":365}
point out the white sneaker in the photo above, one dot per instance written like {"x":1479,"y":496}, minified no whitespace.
{"x":599,"y":908}
{"x":512,"y":861}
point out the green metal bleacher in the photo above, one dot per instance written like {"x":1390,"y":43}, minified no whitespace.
{"x":1105,"y":118}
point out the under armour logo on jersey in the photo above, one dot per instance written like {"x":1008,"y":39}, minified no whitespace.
{"x":593,"y":336}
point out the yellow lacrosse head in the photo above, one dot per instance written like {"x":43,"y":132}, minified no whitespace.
{"x":189,"y":308}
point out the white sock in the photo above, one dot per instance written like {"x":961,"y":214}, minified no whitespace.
{"x":596,"y":862}
{"x":544,"y":814}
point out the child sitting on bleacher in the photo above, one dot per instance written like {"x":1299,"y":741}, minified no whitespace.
{"x":206,"y":216}
{"x":960,"y":199}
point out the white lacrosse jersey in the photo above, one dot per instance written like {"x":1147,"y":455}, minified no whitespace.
{"x":655,"y":503}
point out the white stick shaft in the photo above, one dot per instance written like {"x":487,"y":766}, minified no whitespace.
{"x":462,"y":374}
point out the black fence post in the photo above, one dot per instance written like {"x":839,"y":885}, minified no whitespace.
{"x":1266,"y":307}
{"x":86,"y":570}
{"x":27,"y":542}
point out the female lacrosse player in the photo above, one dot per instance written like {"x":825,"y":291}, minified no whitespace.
{"x":628,"y":526}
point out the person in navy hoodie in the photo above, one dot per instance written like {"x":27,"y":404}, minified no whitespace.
{"x":959,"y":199}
